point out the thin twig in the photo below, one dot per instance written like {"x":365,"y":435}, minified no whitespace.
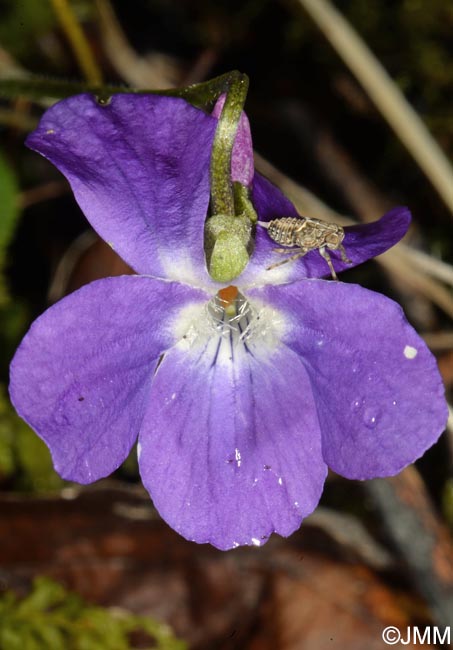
{"x":449,"y":431}
{"x":17,"y":120}
{"x":79,"y":44}
{"x":417,"y":280}
{"x":431,"y":265}
{"x":9,"y":67}
{"x":43,"y":192}
{"x":420,"y":537}
{"x":155,"y":70}
{"x":67,"y":264}
{"x":385,"y":94}
{"x":306,"y":202}
{"x":437,"y":341}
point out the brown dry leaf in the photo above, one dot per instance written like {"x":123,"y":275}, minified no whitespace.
{"x":330,"y":605}
{"x":108,"y":544}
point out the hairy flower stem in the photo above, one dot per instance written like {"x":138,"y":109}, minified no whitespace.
{"x":35,"y":88}
{"x":222,"y":195}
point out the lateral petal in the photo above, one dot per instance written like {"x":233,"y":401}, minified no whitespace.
{"x":81,"y":375}
{"x":378,"y":391}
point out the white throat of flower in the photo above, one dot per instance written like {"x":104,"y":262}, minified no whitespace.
{"x":232,"y":324}
{"x":230,"y":315}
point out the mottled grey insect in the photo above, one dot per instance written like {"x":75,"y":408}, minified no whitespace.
{"x":306,"y":235}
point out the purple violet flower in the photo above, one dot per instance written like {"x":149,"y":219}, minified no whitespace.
{"x":240,"y":398}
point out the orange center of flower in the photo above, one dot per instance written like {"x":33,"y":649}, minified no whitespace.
{"x":227,"y":296}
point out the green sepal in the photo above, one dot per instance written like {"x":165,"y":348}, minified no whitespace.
{"x":222,"y":195}
{"x":242,"y":202}
{"x":227,"y":239}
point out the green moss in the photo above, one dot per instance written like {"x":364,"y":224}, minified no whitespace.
{"x":22,"y":22}
{"x":52,"y":618}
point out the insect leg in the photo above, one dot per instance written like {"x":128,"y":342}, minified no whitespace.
{"x":344,"y":257}
{"x":326,"y":256}
{"x":289,"y":259}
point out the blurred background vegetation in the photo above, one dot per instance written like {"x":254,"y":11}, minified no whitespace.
{"x":320,"y":137}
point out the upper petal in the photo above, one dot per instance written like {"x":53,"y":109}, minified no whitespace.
{"x":378,"y":392}
{"x":81,"y":375}
{"x":242,"y":162}
{"x":230,"y":445}
{"x":139,"y":169}
{"x":361,"y":242}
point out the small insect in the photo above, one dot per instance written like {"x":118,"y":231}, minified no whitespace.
{"x":306,"y":235}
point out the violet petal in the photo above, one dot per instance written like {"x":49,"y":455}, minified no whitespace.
{"x":378,"y":391}
{"x":139,"y":169}
{"x":81,"y":375}
{"x":361,"y":242}
{"x":229,"y":447}
{"x":242,"y":161}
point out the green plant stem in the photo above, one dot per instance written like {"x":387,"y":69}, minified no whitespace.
{"x":222,"y":195}
{"x":202,"y":95}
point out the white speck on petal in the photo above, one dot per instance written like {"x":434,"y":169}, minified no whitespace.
{"x":139,"y":450}
{"x":280,"y":480}
{"x":410,"y":352}
{"x":87,"y":465}
{"x":173,"y":396}
{"x":235,"y":544}
{"x":237,"y":455}
{"x":256,"y":542}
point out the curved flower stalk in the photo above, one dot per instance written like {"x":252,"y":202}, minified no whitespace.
{"x":240,"y":396}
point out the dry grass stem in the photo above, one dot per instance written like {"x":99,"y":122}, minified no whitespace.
{"x":438,"y":341}
{"x":385,"y":94}
{"x":398,"y":260}
{"x":79,"y":44}
{"x":44,"y":192}
{"x":156,"y":70}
